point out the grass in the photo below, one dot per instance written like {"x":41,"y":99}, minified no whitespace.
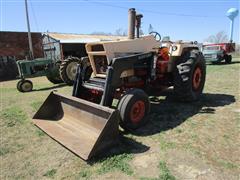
{"x":117,"y":162}
{"x":200,"y":134}
{"x":36,"y":105}
{"x":40,"y":133}
{"x":50,"y":173}
{"x":85,"y":174}
{"x":164,"y":173}
{"x":4,"y":151}
{"x":165,"y":145}
{"x":14,"y":116}
{"x":227,"y":164}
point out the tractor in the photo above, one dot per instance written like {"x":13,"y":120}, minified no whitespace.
{"x":58,"y":65}
{"x":127,"y":72}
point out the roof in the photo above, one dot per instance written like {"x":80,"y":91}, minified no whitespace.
{"x":83,"y":38}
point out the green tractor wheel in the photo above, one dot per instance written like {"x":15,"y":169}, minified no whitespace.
{"x":54,"y":76}
{"x":68,"y":69}
{"x":24,"y":85}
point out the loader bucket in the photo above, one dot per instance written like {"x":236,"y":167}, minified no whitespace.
{"x":83,"y":127}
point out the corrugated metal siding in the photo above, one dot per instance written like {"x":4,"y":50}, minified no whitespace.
{"x":51,"y":48}
{"x":83,"y":38}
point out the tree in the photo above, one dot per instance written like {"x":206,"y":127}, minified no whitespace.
{"x":120,"y":32}
{"x":141,"y":32}
{"x":220,"y":37}
{"x":150,"y":28}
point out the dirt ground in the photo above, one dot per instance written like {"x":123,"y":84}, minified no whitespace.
{"x":197,"y":140}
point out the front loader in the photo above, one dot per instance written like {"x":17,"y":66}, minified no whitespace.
{"x":126,"y":71}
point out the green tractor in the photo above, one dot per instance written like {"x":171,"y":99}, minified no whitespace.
{"x":59,"y":64}
{"x":55,"y":71}
{"x":36,"y":68}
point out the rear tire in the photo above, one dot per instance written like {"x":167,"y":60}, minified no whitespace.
{"x":189,"y":77}
{"x":54,"y":75}
{"x":54,"y":80}
{"x":68,"y":70}
{"x":24,"y":86}
{"x":133,"y":108}
{"x":228,"y":59}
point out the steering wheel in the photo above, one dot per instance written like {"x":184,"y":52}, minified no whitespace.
{"x":156,"y":35}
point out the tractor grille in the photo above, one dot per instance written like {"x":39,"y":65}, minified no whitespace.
{"x":207,"y":56}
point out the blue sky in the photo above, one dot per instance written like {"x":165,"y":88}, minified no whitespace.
{"x":180,"y":19}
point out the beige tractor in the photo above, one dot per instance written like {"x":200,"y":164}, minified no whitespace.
{"x":127,"y":72}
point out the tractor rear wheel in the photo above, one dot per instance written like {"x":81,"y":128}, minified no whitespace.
{"x":68,"y":70}
{"x":54,"y":75}
{"x":24,"y":85}
{"x":189,"y":77}
{"x":228,"y":59}
{"x":133,"y":108}
{"x":54,"y":79}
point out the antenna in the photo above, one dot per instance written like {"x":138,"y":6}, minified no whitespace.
{"x":231,"y":14}
{"x":29,"y":33}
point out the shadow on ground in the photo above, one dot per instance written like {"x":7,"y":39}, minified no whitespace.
{"x":168,"y":114}
{"x":124,"y":146}
{"x":223,"y":63}
{"x":50,"y":88}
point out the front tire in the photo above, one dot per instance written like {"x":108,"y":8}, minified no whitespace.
{"x":24,"y":86}
{"x":68,"y":70}
{"x":133,"y":108}
{"x":189,"y":77}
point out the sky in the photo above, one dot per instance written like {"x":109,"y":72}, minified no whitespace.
{"x":179,"y":19}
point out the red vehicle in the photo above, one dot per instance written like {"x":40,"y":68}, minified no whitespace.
{"x":218,"y":52}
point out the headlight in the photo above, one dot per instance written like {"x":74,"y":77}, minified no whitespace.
{"x":174,"y":48}
{"x":214,"y":56}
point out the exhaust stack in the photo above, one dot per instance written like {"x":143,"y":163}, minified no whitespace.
{"x":131,"y":23}
{"x":138,"y":23}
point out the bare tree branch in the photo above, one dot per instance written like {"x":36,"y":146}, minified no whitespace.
{"x":220,"y":37}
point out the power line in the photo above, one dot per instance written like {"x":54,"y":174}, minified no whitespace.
{"x":34,"y":15}
{"x":133,"y":1}
{"x":154,"y":12}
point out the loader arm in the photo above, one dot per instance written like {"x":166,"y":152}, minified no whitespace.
{"x":121,"y":64}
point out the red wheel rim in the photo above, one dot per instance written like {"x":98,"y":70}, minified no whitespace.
{"x":197,"y":78}
{"x":137,"y":111}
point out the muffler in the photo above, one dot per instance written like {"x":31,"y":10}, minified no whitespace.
{"x":85,"y":128}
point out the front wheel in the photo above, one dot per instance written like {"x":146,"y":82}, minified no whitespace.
{"x":133,"y":108}
{"x":24,"y":85}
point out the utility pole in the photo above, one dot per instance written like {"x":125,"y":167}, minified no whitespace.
{"x":29,"y":33}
